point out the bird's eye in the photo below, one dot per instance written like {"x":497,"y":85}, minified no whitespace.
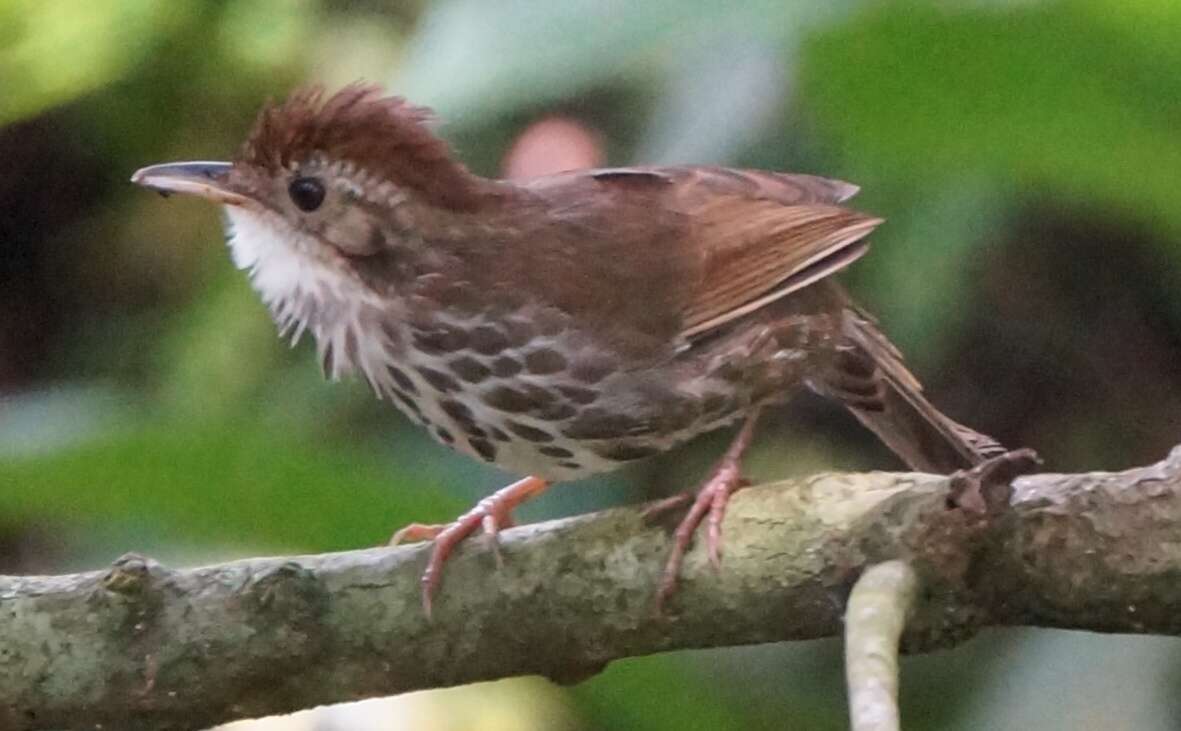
{"x":306,"y":193}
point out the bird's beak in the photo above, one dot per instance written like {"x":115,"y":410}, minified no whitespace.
{"x":204,"y":179}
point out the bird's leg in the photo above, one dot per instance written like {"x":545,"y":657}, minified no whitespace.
{"x":711,"y":499}
{"x":492,"y":513}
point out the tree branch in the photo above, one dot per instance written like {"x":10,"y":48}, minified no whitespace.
{"x":141,"y":646}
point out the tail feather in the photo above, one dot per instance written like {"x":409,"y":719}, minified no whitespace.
{"x":869,"y":377}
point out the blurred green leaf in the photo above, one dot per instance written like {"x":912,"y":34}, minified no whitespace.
{"x":51,"y":52}
{"x":1075,"y":98}
{"x":220,"y":352}
{"x":933,"y":250}
{"x":268,"y":33}
{"x":674,"y":692}
{"x":226,"y":483}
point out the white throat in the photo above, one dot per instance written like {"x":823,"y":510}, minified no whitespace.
{"x":279,"y":269}
{"x":301,"y":291}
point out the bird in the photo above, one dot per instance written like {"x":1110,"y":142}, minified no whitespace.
{"x":566,"y":325}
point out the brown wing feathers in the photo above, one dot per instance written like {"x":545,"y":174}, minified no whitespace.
{"x":735,"y":239}
{"x":761,"y":251}
{"x":763,"y":236}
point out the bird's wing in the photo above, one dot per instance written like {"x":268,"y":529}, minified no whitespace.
{"x":762,"y":236}
{"x":693,"y":248}
{"x":756,"y":252}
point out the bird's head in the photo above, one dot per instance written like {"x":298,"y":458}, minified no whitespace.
{"x":324,"y":183}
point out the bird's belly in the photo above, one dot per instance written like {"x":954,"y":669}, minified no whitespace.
{"x":553,"y":427}
{"x":560,"y":425}
{"x":534,"y":397}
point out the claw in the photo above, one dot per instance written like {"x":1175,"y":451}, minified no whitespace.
{"x":491,"y":514}
{"x":416,"y":532}
{"x":986,"y":488}
{"x":727,"y":481}
{"x":491,"y":528}
{"x":653,"y":512}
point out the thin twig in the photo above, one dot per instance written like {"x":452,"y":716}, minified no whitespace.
{"x":879,"y":606}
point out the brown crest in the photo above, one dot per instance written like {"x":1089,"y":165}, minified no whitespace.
{"x":384,"y":135}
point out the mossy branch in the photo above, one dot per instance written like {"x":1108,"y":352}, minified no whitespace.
{"x":141,"y":646}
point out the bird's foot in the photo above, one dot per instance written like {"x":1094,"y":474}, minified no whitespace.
{"x":708,"y":506}
{"x":711,"y":501}
{"x":987,"y":488}
{"x":492,"y":513}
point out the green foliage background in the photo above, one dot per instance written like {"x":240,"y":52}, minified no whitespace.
{"x":1026,"y":154}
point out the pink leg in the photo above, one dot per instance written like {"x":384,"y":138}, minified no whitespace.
{"x":492,"y":513}
{"x":711,"y":499}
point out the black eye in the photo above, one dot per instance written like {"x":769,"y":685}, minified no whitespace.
{"x":306,"y":193}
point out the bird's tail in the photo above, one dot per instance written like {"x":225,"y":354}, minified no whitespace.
{"x":869,"y":377}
